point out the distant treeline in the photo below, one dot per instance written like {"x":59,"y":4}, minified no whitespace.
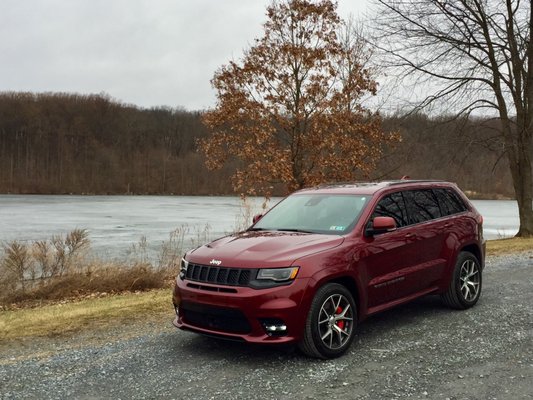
{"x":468,"y":151}
{"x":71,"y":143}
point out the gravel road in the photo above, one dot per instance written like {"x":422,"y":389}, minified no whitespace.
{"x":418,"y":351}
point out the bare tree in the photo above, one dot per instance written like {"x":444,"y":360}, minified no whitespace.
{"x":477,"y":56}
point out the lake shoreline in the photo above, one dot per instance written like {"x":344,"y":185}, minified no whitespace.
{"x":470,"y":194}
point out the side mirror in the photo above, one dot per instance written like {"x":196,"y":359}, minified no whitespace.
{"x":380,"y":225}
{"x":257,"y":218}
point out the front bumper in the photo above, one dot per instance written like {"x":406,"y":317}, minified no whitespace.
{"x":239,"y":313}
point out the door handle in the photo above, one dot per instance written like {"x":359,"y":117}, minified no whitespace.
{"x":410,"y":235}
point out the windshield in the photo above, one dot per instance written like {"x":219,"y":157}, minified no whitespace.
{"x":316,"y":213}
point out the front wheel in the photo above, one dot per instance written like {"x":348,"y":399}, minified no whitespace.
{"x":465,"y":287}
{"x":331,"y":322}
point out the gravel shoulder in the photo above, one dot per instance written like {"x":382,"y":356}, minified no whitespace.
{"x":418,"y":351}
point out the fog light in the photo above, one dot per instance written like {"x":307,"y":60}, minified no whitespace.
{"x":274,"y":327}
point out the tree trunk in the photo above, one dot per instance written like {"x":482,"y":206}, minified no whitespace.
{"x":521,"y":172}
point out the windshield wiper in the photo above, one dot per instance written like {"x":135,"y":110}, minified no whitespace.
{"x":294,"y":230}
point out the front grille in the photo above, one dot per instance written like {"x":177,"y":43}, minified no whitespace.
{"x":216,"y":318}
{"x":218,"y":275}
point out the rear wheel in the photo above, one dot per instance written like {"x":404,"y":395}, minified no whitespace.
{"x":331,"y":322}
{"x":465,"y":287}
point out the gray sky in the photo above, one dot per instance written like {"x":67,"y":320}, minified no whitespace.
{"x":144,"y":52}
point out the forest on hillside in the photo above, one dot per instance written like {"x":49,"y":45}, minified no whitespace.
{"x":92,"y":144}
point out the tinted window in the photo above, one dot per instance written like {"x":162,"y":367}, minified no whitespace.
{"x":450,"y":203}
{"x":392,"y":205}
{"x":424,"y":205}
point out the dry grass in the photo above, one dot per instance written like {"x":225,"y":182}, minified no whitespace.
{"x":506,"y":246}
{"x":103,"y":279}
{"x":68,"y":317}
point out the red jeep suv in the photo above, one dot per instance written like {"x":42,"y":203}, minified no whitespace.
{"x":323,"y":259}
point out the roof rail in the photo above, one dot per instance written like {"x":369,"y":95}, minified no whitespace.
{"x":405,"y":181}
{"x":376,"y":183}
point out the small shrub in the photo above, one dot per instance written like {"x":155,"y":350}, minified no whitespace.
{"x":18,"y":264}
{"x":172,"y":250}
{"x":68,"y":251}
{"x":77,"y":241}
{"x":202,"y":235}
{"x":41,"y":253}
{"x":139,"y":251}
{"x":244,"y":218}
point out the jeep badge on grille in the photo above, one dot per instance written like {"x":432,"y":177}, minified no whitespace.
{"x":215,"y":262}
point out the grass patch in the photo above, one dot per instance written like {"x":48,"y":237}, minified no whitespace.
{"x":68,"y":317}
{"x":510,"y":245}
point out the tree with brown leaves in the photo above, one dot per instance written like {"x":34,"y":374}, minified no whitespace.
{"x":290,"y":111}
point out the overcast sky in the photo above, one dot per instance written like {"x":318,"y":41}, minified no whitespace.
{"x":144,"y":52}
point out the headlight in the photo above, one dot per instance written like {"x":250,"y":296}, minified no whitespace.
{"x":183,"y":267}
{"x":277,"y":274}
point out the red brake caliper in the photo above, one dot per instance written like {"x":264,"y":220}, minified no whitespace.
{"x":340,"y":324}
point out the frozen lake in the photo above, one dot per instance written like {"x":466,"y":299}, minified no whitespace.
{"x":115,"y":223}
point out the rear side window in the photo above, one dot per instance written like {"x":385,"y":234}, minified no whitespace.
{"x":450,"y":203}
{"x":424,"y":205}
{"x":392,"y":205}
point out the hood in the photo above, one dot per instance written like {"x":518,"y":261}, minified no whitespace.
{"x":259,"y":249}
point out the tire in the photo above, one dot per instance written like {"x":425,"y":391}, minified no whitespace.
{"x":331,"y":322}
{"x":465,"y":286}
